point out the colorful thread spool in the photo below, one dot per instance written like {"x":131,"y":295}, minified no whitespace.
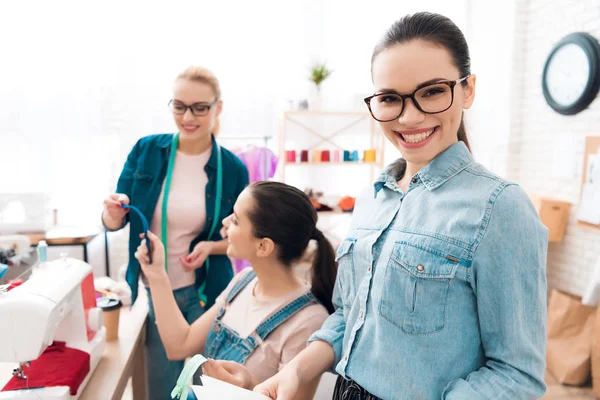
{"x":316,"y":156}
{"x":290,"y":156}
{"x":325,"y":156}
{"x":336,"y":156}
{"x":370,"y":155}
{"x":304,"y":156}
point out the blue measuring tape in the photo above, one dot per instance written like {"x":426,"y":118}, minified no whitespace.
{"x":145,"y":226}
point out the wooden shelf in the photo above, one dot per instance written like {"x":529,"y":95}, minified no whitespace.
{"x":63,"y":237}
{"x":331,"y":163}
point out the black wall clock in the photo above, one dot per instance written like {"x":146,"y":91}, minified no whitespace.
{"x":571,"y":78}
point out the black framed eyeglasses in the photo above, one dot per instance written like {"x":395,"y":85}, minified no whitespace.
{"x":432,"y":98}
{"x":198,"y":109}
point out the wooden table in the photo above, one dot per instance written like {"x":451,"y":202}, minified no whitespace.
{"x":71,"y":236}
{"x":123,"y":359}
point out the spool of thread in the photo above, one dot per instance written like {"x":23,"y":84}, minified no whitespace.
{"x":304,"y":156}
{"x":290,"y":156}
{"x":42,"y":249}
{"x":336,"y":156}
{"x":325,"y":156}
{"x":347,"y":155}
{"x":355,"y":155}
{"x":316,"y":156}
{"x":370,"y":155}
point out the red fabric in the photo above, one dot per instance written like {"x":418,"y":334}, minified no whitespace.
{"x":57,"y":366}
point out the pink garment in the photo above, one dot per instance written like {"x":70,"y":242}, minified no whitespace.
{"x":262,"y":164}
{"x":260,"y":161}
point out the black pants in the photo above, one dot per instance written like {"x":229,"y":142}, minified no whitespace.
{"x":350,"y":390}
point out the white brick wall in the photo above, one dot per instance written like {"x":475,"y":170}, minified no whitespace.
{"x":536,"y":130}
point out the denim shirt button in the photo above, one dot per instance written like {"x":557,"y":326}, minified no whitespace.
{"x":217,"y":329}
{"x":420,"y":268}
{"x":414,"y":180}
{"x":361,"y":315}
{"x":369,"y":269}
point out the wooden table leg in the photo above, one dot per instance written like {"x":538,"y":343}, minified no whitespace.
{"x":138,"y":375}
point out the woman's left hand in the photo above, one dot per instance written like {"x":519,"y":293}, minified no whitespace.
{"x":156,"y":270}
{"x":197,"y":257}
{"x":228,"y":371}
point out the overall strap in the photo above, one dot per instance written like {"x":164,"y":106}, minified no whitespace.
{"x":240,"y":285}
{"x":285,"y":313}
{"x":235,"y":290}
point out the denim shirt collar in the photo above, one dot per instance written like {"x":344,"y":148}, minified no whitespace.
{"x":441,"y":169}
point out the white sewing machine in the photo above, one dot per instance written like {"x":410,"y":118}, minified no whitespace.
{"x":57,"y":303}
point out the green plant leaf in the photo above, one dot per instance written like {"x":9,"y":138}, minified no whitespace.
{"x":319,"y":73}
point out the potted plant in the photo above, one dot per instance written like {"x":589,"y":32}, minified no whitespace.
{"x":318,"y":73}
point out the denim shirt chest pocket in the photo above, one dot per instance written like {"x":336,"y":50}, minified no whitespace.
{"x":142,"y":183}
{"x":417,"y":280}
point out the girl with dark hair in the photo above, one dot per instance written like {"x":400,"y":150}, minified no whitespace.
{"x":266,"y":315}
{"x":441,"y":291}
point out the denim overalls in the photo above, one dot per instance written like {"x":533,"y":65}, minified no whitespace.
{"x":223,"y":343}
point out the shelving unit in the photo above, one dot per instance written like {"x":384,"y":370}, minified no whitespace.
{"x":325,"y":130}
{"x":298,"y":118}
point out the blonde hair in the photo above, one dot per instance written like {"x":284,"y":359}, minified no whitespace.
{"x":203,"y":75}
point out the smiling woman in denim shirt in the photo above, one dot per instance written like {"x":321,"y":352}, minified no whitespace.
{"x":441,"y":289}
{"x":173,"y":179}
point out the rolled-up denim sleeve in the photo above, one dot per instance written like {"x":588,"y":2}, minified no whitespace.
{"x":334,"y":326}
{"x":509,"y":278}
{"x":125,"y":181}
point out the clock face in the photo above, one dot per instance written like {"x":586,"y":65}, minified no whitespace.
{"x":568,"y":74}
